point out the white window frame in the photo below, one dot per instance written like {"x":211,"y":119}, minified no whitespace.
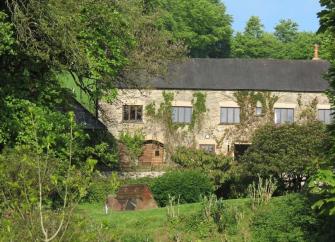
{"x":180,"y":114}
{"x":324,"y":118}
{"x":283,"y":116}
{"x":230,"y":115}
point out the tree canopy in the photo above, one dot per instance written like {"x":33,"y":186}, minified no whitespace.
{"x":285,"y":43}
{"x":203,"y":25}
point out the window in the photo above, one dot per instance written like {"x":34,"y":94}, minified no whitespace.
{"x":230,"y":115}
{"x":181,"y":114}
{"x":132,"y":113}
{"x":325,"y":115}
{"x":284,"y":115}
{"x":208,"y":148}
{"x":156,"y":152}
{"x":259,"y":111}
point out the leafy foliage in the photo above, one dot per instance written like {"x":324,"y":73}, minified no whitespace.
{"x":285,"y":43}
{"x":6,"y":35}
{"x":286,"y":30}
{"x":217,"y":167}
{"x":34,"y":180}
{"x":188,"y":186}
{"x":69,"y":37}
{"x":323,"y":184}
{"x":286,"y":219}
{"x":100,"y":187}
{"x":203,"y":25}
{"x":134,"y":143}
{"x":288,"y":152}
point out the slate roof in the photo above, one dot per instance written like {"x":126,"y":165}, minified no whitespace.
{"x":85,"y":118}
{"x":246,"y":74}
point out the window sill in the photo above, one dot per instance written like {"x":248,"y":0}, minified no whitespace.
{"x":132,"y":122}
{"x":229,"y":123}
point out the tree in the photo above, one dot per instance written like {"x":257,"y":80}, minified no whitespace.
{"x":39,"y":191}
{"x":286,"y":30}
{"x":203,"y":25}
{"x":323,"y":182}
{"x":98,"y":50}
{"x":254,"y":42}
{"x":254,"y":27}
{"x":290,"y":153}
{"x":285,"y":43}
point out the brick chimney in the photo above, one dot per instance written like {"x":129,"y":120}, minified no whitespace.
{"x":316,"y":52}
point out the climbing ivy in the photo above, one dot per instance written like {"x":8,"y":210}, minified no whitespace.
{"x":308,"y":112}
{"x":199,"y":110}
{"x":249,"y":122}
{"x":174,"y":133}
{"x":134,"y":143}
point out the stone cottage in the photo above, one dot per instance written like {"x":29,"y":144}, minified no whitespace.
{"x":216,"y":104}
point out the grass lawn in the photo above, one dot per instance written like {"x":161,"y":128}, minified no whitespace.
{"x":154,"y":223}
{"x":285,"y":218}
{"x":67,"y":81}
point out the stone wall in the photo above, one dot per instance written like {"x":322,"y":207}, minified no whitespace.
{"x":212,"y":132}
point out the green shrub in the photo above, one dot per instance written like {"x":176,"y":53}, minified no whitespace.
{"x":290,"y":153}
{"x":289,"y":218}
{"x":143,"y":180}
{"x":101,"y":187}
{"x":216,"y":166}
{"x":134,"y":143}
{"x":190,"y":185}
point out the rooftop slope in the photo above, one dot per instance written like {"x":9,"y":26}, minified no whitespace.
{"x":246,"y":74}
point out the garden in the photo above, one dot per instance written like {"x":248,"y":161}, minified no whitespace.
{"x":56,"y":174}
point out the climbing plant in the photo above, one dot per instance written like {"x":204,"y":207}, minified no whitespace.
{"x":199,"y":110}
{"x":249,"y":121}
{"x":134,"y":143}
{"x":176,"y":134}
{"x":308,"y":112}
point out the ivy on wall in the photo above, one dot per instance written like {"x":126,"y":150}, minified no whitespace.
{"x":249,"y":121}
{"x":309,"y":111}
{"x":176,"y":134}
{"x":133,"y":143}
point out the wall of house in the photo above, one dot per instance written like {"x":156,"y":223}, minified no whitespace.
{"x":221,"y":135}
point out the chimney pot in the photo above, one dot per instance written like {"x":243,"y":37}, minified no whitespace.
{"x":316,"y":52}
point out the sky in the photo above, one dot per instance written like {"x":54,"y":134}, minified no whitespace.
{"x":271,"y":11}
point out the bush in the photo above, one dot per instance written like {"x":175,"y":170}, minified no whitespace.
{"x":190,"y":185}
{"x":134,"y":143}
{"x":291,"y":153}
{"x":143,"y":180}
{"x":216,"y":166}
{"x":101,"y":187}
{"x":289,"y":218}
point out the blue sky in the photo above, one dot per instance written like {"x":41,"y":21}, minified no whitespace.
{"x":271,"y":11}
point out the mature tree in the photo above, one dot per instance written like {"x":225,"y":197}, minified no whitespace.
{"x":302,"y":47}
{"x":286,"y":30}
{"x":254,"y":27}
{"x":323,"y":183}
{"x":254,"y":42}
{"x":285,"y":43}
{"x":203,"y":25}
{"x":70,"y":36}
